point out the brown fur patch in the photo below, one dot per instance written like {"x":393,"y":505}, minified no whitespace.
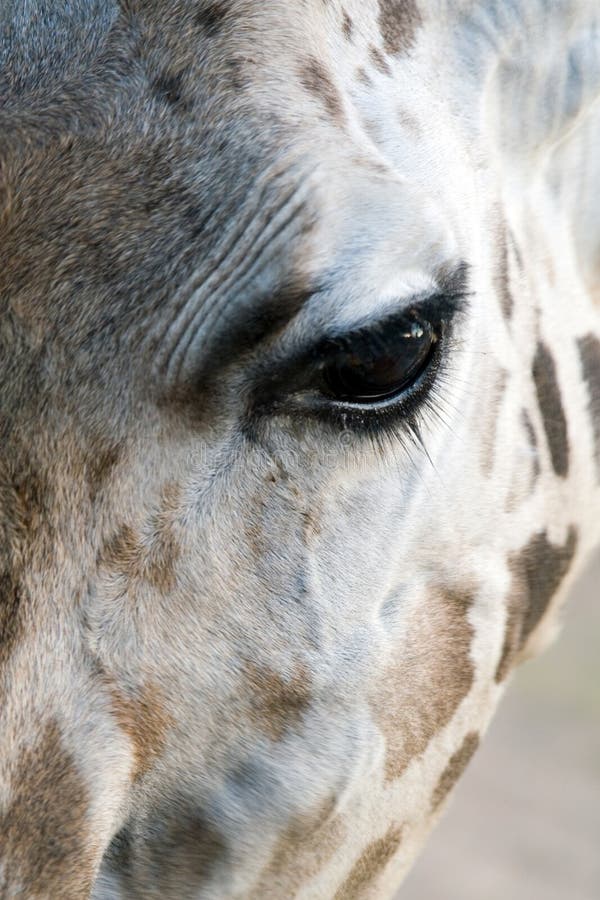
{"x":370,"y":865}
{"x":11,"y":614}
{"x":589,"y":354}
{"x":44,"y":834}
{"x":399,"y":21}
{"x":144,"y":719}
{"x":26,"y":531}
{"x":154,"y":558}
{"x":316,"y":80}
{"x":347,"y":25}
{"x":101,"y":464}
{"x":363,"y":76}
{"x":434,"y":672}
{"x":300,"y":854}
{"x":379,"y":60}
{"x":538,"y":571}
{"x":277,"y":705}
{"x":457,"y":764}
{"x":551,"y":408}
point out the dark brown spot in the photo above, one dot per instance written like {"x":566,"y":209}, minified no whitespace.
{"x":379,"y":60}
{"x":144,"y":719}
{"x":347,"y":25}
{"x":316,"y":80}
{"x":44,"y":834}
{"x":370,"y":865}
{"x":456,"y":766}
{"x":211,"y":17}
{"x":423,"y":689}
{"x":11,"y":614}
{"x":276,"y":704}
{"x":398,"y":23}
{"x":589,"y":354}
{"x":538,"y":571}
{"x":551,"y":408}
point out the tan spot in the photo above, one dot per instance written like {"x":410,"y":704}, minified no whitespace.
{"x":301,"y":852}
{"x":363,"y":77}
{"x":489,"y":421}
{"x":422,"y":690}
{"x":370,"y":865}
{"x":277,"y":704}
{"x":317,"y":81}
{"x":501,"y":275}
{"x":409,"y":122}
{"x":152,"y":557}
{"x":44,"y":833}
{"x":165,"y":549}
{"x":347,"y":25}
{"x":31,"y":496}
{"x":399,"y":21}
{"x":379,"y":60}
{"x":122,"y":552}
{"x":101,"y":464}
{"x":456,"y":766}
{"x":538,"y":571}
{"x":144,"y":719}
{"x":27,"y":540}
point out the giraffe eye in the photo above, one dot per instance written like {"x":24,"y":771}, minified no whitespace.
{"x":375,"y":366}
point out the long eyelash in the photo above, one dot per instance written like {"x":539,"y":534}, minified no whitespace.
{"x":399,"y":429}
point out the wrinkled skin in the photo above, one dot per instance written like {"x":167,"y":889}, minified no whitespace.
{"x":249,"y":641}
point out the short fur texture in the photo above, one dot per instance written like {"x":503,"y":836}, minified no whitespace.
{"x":245,"y":650}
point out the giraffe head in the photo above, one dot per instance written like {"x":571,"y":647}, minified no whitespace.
{"x":300,"y":366}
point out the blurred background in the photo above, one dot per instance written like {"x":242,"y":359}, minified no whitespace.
{"x":524,"y":822}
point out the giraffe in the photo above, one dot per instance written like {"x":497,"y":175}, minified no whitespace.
{"x":300,"y":346}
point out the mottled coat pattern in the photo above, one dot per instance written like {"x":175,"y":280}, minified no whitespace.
{"x":250,"y":638}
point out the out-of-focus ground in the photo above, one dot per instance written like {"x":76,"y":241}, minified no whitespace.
{"x":524,"y":823}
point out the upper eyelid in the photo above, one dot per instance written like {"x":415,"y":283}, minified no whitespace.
{"x":438,"y":309}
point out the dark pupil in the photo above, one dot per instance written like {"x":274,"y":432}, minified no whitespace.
{"x":379,"y":367}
